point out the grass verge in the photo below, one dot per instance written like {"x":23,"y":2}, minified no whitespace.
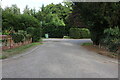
{"x":87,"y":44}
{"x":12,"y":52}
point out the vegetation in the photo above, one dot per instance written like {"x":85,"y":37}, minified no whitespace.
{"x":98,"y":21}
{"x":87,"y":44}
{"x":100,"y":18}
{"x":11,"y":52}
{"x":49,"y":19}
{"x":112,"y":39}
{"x":20,"y":36}
{"x":95,"y":16}
{"x":53,"y":18}
{"x":78,"y":33}
{"x":16,"y":24}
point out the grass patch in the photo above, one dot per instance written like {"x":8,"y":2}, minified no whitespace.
{"x":87,"y":44}
{"x":12,"y":52}
{"x":3,"y":56}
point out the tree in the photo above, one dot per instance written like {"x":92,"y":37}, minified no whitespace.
{"x":53,"y":25}
{"x":53,"y":18}
{"x":13,"y":9}
{"x":28,"y":21}
{"x":97,"y":16}
{"x":26,"y":10}
{"x":0,"y":19}
{"x":35,"y":33}
{"x":9,"y":21}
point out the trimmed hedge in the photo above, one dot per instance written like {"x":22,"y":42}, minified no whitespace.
{"x":54,"y":31}
{"x":78,"y":33}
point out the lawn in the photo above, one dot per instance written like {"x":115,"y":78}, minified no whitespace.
{"x":21,"y":49}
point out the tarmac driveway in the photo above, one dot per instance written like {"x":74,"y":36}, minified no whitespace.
{"x":60,"y":58}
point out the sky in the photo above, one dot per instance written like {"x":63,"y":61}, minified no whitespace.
{"x":31,"y":3}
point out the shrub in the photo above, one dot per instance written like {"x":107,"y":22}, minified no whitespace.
{"x":35,"y":33}
{"x":75,"y":33}
{"x":20,"y":36}
{"x":54,"y":31}
{"x":17,"y":37}
{"x":85,"y":33}
{"x":78,"y":33}
{"x":111,"y":39}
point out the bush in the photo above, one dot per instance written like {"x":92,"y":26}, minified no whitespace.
{"x":54,"y":31}
{"x":35,"y":33}
{"x":111,"y":39}
{"x":85,"y":33}
{"x":75,"y":33}
{"x":78,"y":33}
{"x":20,"y":36}
{"x":17,"y":37}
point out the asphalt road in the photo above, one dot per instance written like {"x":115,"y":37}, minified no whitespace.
{"x":58,"y":58}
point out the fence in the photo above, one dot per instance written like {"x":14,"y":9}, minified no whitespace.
{"x":8,"y":43}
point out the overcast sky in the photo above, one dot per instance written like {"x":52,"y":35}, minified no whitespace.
{"x":31,"y":3}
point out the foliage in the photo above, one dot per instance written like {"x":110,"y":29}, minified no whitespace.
{"x":35,"y":33}
{"x":50,"y":18}
{"x":28,"y":21}
{"x":111,"y":39}
{"x":96,"y":16}
{"x":14,"y":21}
{"x":53,"y":18}
{"x":53,"y":26}
{"x":9,"y":21}
{"x":20,"y":36}
{"x":85,"y":33}
{"x":13,"y":9}
{"x":79,"y":33}
{"x":29,"y":11}
{"x":75,"y":33}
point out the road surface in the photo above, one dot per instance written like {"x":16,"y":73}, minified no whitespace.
{"x":58,"y":58}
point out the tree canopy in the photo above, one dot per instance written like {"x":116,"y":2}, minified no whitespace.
{"x":96,"y":16}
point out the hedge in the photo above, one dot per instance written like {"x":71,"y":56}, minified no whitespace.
{"x":35,"y":33}
{"x":78,"y":33}
{"x":54,"y":31}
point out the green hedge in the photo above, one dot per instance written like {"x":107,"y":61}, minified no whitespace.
{"x":35,"y":33}
{"x":54,"y":31}
{"x":78,"y":33}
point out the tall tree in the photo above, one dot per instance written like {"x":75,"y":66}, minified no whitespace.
{"x":26,"y":10}
{"x":13,"y":9}
{"x":97,"y":16}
